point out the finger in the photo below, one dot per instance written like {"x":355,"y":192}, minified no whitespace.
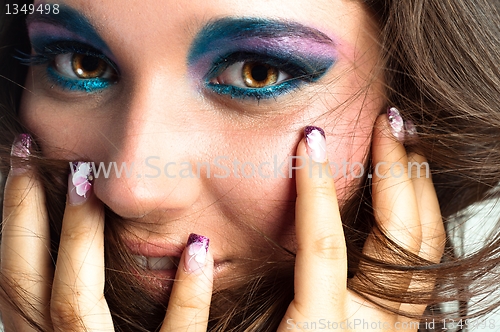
{"x":25,"y":245}
{"x":394,"y":200}
{"x":433,"y":232}
{"x":321,"y":259}
{"x":78,"y":302}
{"x":189,"y":303}
{"x":395,"y":209}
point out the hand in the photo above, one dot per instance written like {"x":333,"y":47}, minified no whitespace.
{"x":71,"y":298}
{"x":77,"y":301}
{"x":405,"y":208}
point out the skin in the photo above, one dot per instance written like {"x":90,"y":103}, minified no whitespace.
{"x":127,"y":123}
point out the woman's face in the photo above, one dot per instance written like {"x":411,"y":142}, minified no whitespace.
{"x":203,"y":104}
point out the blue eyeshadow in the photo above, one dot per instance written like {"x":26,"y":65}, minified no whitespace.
{"x":233,"y":29}
{"x":86,"y":85}
{"x":304,"y":53}
{"x":258,"y":94}
{"x":83,"y":39}
{"x":71,"y":20}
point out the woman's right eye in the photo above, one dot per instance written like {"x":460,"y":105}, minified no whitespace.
{"x":73,"y":66}
{"x":82,"y":66}
{"x":81,"y":72}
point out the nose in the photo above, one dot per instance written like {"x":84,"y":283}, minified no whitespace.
{"x":149,"y":155}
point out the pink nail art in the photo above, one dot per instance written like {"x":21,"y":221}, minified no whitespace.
{"x":21,"y":149}
{"x":197,"y":248}
{"x":410,"y":128}
{"x":80,"y":182}
{"x":316,"y":143}
{"x":22,"y":145}
{"x":396,"y":122}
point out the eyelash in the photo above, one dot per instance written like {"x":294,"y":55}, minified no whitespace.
{"x":48,"y":54}
{"x":299,"y":71}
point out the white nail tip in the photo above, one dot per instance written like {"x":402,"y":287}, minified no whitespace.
{"x":316,"y":144}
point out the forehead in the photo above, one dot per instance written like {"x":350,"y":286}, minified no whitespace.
{"x":152,"y":20}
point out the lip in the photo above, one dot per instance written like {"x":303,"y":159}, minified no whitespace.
{"x":162,"y":279}
{"x":159,"y":282}
{"x":160,"y":248}
{"x":154,"y":249}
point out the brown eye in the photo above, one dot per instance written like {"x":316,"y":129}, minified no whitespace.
{"x":86,"y":67}
{"x":259,"y":75}
{"x":251,"y":75}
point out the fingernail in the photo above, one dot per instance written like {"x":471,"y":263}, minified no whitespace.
{"x":410,"y":128}
{"x":79,"y":182}
{"x":20,"y":149}
{"x":197,"y":248}
{"x":396,"y":122}
{"x":316,"y":143}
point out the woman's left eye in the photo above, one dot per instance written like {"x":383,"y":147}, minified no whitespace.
{"x":251,"y":74}
{"x":263,"y":76}
{"x":82,"y":66}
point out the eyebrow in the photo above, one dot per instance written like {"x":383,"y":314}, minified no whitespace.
{"x":71,"y":20}
{"x":234,"y":29}
{"x":241,"y":28}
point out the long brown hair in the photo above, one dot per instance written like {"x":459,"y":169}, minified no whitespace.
{"x":441,"y":65}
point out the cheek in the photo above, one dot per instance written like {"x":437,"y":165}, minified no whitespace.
{"x":262,"y":187}
{"x":348,"y":163}
{"x":349,"y":143}
{"x":61,"y":128}
{"x":258,"y":191}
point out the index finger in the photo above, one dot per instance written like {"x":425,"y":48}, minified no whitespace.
{"x":321,"y":260}
{"x":189,"y":304}
{"x":78,"y":302}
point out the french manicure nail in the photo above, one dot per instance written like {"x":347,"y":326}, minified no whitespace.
{"x":79,"y":182}
{"x":316,"y":143}
{"x":20,"y":149}
{"x":396,"y":122}
{"x":197,"y":248}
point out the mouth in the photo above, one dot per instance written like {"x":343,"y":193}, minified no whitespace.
{"x":163,"y":263}
{"x":156,"y":274}
{"x":157,"y":262}
{"x":156,"y":265}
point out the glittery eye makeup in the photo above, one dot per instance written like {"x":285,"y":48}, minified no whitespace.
{"x":75,"y":56}
{"x":259,"y":58}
